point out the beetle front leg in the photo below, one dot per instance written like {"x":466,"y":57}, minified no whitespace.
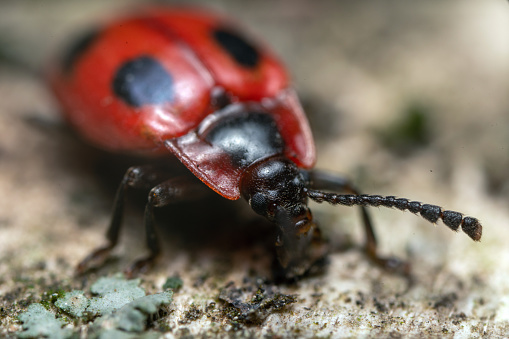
{"x":325,"y":181}
{"x":138,"y":177}
{"x":166,"y":193}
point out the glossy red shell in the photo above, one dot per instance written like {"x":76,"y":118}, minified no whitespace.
{"x":180,"y":40}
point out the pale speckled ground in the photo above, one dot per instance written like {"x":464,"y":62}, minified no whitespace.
{"x":358,"y":67}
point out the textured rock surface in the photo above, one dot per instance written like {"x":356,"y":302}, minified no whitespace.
{"x":368,"y":73}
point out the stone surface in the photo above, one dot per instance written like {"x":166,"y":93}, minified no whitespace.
{"x":363,"y":70}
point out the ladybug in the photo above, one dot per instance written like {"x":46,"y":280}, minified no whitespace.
{"x":189,"y":84}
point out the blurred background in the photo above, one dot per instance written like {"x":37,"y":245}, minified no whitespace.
{"x":405,"y":98}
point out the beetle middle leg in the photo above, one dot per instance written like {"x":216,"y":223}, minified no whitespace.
{"x":325,"y":181}
{"x":164,"y":192}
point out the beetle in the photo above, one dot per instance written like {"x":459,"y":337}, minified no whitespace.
{"x":189,"y":84}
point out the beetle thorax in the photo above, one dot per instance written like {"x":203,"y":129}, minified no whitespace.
{"x":246,"y":137}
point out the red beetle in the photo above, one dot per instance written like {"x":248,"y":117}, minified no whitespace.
{"x":190,"y":83}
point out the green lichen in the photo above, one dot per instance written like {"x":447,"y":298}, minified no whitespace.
{"x":74,"y":303}
{"x":173,"y":283}
{"x":39,"y":322}
{"x":118,"y":334}
{"x":131,"y":318}
{"x":49,"y":297}
{"x":409,"y":132}
{"x":113,"y":293}
{"x":120,"y":307}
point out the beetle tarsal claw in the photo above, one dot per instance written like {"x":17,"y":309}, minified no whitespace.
{"x":94,"y":259}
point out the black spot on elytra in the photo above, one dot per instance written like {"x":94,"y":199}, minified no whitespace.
{"x":247,"y":138}
{"x":237,"y":47}
{"x":143,"y":81}
{"x":77,"y":49}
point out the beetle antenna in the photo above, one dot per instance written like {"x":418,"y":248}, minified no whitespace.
{"x":471,"y":226}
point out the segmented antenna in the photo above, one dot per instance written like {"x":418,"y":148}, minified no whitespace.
{"x":471,"y":226}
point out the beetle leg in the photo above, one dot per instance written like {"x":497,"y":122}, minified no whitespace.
{"x":326,"y":181}
{"x":166,"y":193}
{"x":138,"y":177}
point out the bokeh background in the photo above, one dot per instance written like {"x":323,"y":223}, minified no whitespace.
{"x":405,"y":98}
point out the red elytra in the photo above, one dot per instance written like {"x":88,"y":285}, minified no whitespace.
{"x":189,"y":83}
{"x":180,"y":40}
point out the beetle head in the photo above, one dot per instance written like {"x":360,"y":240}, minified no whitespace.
{"x":276,"y":189}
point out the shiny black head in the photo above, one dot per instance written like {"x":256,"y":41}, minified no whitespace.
{"x":276,"y":189}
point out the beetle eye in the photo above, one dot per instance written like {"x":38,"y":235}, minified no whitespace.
{"x":259,"y":203}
